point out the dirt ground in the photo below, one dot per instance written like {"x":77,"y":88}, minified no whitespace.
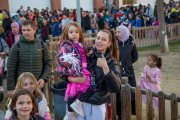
{"x":170,"y":81}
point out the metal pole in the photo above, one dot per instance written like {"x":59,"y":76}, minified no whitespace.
{"x":78,"y":12}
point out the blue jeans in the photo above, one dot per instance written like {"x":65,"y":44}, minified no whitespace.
{"x":42,"y":89}
{"x":93,"y":30}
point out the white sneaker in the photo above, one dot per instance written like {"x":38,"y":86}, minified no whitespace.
{"x":1,"y":89}
{"x":77,"y":106}
{"x":70,"y":116}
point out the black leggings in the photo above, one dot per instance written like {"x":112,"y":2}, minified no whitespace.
{"x":83,"y":97}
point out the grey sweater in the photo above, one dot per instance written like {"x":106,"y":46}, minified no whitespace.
{"x":3,"y":46}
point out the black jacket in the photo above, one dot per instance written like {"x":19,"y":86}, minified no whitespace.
{"x":111,"y":82}
{"x":86,"y":23}
{"x":174,"y":17}
{"x":7,"y":25}
{"x":128,"y":56}
{"x":48,"y":31}
{"x":179,"y":16}
{"x":101,"y":23}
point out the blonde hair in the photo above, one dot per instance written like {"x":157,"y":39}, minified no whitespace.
{"x":64,"y":34}
{"x":54,"y":19}
{"x":37,"y":92}
{"x":2,"y":30}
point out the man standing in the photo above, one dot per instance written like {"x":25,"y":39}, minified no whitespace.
{"x":149,"y":12}
{"x":33,"y":17}
{"x":6,"y":22}
{"x":173,"y":5}
{"x":86,"y":23}
{"x":20,"y":10}
{"x":28,"y":55}
{"x":113,"y":9}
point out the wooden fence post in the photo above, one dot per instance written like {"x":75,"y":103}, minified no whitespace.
{"x":55,"y":76}
{"x":133,"y":31}
{"x":50,"y":95}
{"x":174,"y":107}
{"x":50,"y":38}
{"x":149,"y":104}
{"x":128,"y":102}
{"x":113,"y":106}
{"x":124,"y":80}
{"x":138,"y":102}
{"x":161,"y":102}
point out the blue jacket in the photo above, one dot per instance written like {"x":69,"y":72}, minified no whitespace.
{"x":56,"y":31}
{"x":149,"y":12}
{"x":139,"y":23}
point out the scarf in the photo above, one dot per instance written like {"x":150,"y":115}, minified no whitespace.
{"x":125,"y":33}
{"x":16,"y":34}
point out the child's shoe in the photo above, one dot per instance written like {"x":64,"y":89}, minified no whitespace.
{"x":70,"y":116}
{"x":77,"y":107}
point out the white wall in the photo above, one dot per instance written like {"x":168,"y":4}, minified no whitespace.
{"x":71,"y":4}
{"x":151,"y":2}
{"x":14,"y":5}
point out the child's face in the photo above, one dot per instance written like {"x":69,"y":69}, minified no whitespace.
{"x":24,"y":106}
{"x":44,"y":21}
{"x":150,"y":62}
{"x":64,"y":16}
{"x":130,"y":16}
{"x":127,"y":20}
{"x":137,"y":18}
{"x":29,"y":85}
{"x":73,"y":33}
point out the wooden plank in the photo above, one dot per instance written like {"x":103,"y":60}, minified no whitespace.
{"x":151,"y":39}
{"x":137,"y":38}
{"x":161,"y":103}
{"x":128,"y":102}
{"x":55,"y":76}
{"x":174,"y":107}
{"x":50,"y":96}
{"x":146,"y":40}
{"x":50,"y":38}
{"x":143,"y":42}
{"x":113,"y":106}
{"x":124,"y":80}
{"x":138,"y":103}
{"x":140,"y":42}
{"x":149,"y":104}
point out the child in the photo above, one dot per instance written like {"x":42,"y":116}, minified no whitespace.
{"x":126,"y":23}
{"x":65,"y":20}
{"x":123,"y":17}
{"x":151,"y":79}
{"x":132,"y":20}
{"x":119,"y":13}
{"x":118,"y":22}
{"x":27,"y":81}
{"x":138,"y":21}
{"x":72,"y":62}
{"x":24,"y":106}
{"x":156,"y":24}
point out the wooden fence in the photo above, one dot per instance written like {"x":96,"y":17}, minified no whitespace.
{"x":146,"y":36}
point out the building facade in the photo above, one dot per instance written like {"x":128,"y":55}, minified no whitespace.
{"x":14,"y":5}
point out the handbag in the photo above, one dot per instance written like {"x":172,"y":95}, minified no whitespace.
{"x":127,"y":71}
{"x":99,"y":97}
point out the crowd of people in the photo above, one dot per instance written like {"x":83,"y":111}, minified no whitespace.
{"x":88,"y":86}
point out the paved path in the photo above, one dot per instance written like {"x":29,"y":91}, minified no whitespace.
{"x":1,"y":115}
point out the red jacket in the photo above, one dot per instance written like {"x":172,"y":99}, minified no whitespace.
{"x":10,"y":38}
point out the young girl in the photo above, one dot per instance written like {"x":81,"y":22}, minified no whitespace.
{"x":27,"y":81}
{"x":151,"y":79}
{"x":24,"y":106}
{"x":126,"y":23}
{"x":72,"y":62}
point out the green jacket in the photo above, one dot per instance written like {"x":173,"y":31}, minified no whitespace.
{"x":30,"y":58}
{"x":39,"y":22}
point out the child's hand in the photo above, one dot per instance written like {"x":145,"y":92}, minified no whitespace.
{"x":89,"y":53}
{"x":69,"y":62}
{"x":148,"y":77}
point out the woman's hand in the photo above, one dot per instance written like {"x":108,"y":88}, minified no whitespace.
{"x":80,"y":80}
{"x":101,"y":62}
{"x":2,"y":53}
